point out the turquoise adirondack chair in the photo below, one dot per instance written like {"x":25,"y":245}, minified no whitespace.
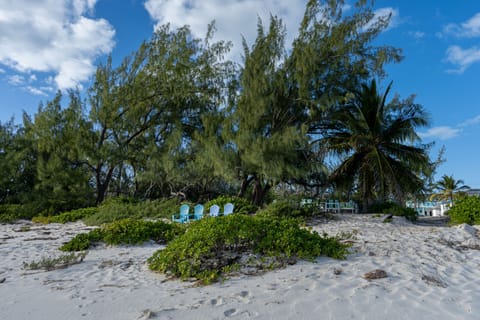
{"x":198,"y":212}
{"x":227,"y":209}
{"x":214,"y":210}
{"x":182,"y":217}
{"x":347,"y":206}
{"x":332,"y":206}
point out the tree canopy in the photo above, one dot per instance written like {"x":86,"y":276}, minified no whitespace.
{"x":377,"y":144}
{"x":176,"y":118}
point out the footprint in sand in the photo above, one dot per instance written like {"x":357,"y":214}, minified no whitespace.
{"x":243,"y":296}
{"x":216,"y":302}
{"x":230,"y":312}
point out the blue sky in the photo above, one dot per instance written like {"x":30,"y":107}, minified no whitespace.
{"x":47,"y":45}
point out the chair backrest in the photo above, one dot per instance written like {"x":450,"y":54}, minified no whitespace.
{"x":184,"y":209}
{"x":227,"y":209}
{"x":214,"y":210}
{"x":198,"y":211}
{"x":198,"y":208}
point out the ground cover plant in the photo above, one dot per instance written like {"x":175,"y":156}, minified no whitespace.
{"x":118,"y":209}
{"x":240,"y":205}
{"x":465,"y":210}
{"x":69,"y":216}
{"x":125,"y":231}
{"x":287,"y":208}
{"x":115,"y":209}
{"x":213,"y":247}
{"x":12,"y":212}
{"x":52,"y":263}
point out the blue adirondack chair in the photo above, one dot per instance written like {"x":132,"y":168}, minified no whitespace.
{"x":214,"y":210}
{"x":198,"y":212}
{"x":182,"y":217}
{"x":227,"y":209}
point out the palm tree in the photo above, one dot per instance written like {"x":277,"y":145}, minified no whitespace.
{"x":447,"y":186}
{"x":377,"y":145}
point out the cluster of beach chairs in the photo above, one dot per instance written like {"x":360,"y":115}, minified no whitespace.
{"x":185,"y":216}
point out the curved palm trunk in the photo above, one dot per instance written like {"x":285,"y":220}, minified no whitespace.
{"x":365,"y":192}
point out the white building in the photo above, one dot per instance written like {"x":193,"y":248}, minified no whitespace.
{"x":430,"y":208}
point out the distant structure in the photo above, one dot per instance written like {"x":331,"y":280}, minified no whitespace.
{"x":430,"y":208}
{"x":437,"y":208}
{"x":473,"y":192}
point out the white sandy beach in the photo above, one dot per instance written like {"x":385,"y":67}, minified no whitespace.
{"x":433,"y":273}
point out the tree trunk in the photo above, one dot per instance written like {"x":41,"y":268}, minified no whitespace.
{"x":259,"y":192}
{"x":365,"y":193}
{"x":245,"y":183}
{"x":102,"y":186}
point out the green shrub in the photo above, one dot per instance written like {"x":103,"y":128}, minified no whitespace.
{"x":11,"y":212}
{"x":400,"y":211}
{"x":126,"y":231}
{"x":111,"y":210}
{"x":240,"y":205}
{"x":74,"y":215}
{"x":213,"y":246}
{"x":465,"y":210}
{"x":157,"y":209}
{"x":284,"y":208}
{"x":41,"y":219}
{"x":83,"y":241}
{"x":69,"y":216}
{"x":49,"y":263}
{"x":130,"y":231}
{"x":395,"y":209}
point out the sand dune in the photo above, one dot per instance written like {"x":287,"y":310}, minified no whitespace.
{"x":432,"y":273}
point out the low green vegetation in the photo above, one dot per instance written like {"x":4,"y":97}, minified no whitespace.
{"x":465,"y":210}
{"x":394,"y":209}
{"x":12,"y":212}
{"x":240,"y":205}
{"x":52,"y":263}
{"x":82,"y":241}
{"x":126,"y":231}
{"x":114,"y":210}
{"x":213,"y":247}
{"x":286,"y":208}
{"x":69,"y":216}
{"x":130,"y":231}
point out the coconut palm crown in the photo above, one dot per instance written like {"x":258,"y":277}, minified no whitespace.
{"x":447,"y":187}
{"x":379,"y":150}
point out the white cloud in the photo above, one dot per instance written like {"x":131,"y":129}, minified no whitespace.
{"x":441,"y":133}
{"x":233,"y":18}
{"x":462,"y":58}
{"x":16,"y":80}
{"x":237,"y":18}
{"x":418,"y":35}
{"x":37,"y":91}
{"x":468,"y":29}
{"x":53,"y":36}
{"x":471,"y":122}
{"x":448,"y":132}
{"x":385,"y":12}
